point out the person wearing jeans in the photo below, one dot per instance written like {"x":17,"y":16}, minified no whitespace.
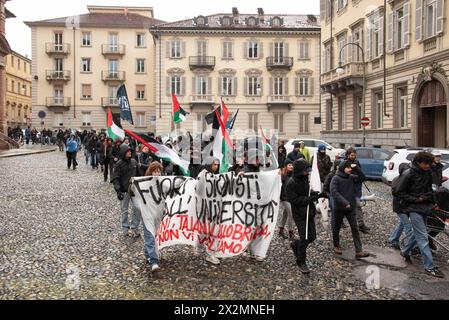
{"x":285,"y":209}
{"x":416,"y":196}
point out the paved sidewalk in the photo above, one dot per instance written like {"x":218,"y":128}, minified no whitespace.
{"x":27,"y":150}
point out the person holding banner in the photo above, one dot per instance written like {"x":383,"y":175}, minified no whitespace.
{"x":300,"y":197}
{"x":285,"y":209}
{"x":124,"y":170}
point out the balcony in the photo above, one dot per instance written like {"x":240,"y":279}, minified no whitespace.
{"x":113,"y":75}
{"x":282,"y":101}
{"x":107,"y":102}
{"x":113,"y":49}
{"x":57,"y":48}
{"x":279,"y":63}
{"x":58,"y":102}
{"x":205,"y":62}
{"x":351,"y":78}
{"x":57,"y":75}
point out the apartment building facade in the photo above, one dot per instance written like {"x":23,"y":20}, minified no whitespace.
{"x":18,"y":90}
{"x":79,"y":62}
{"x":266,"y":66}
{"x":394,"y":58}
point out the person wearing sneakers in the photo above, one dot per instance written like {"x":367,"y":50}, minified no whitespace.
{"x":416,"y":196}
{"x":155,"y":170}
{"x":285,"y":209}
{"x":302,"y":200}
{"x":345,"y":205}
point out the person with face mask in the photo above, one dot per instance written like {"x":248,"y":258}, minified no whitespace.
{"x":324,"y":162}
{"x":296,"y":153}
{"x":344,"y":201}
{"x":144,"y":160}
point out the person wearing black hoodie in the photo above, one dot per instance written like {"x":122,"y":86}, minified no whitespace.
{"x":295,"y":154}
{"x":301,"y":200}
{"x":345,"y":204}
{"x":285,"y":208}
{"x":124,"y":170}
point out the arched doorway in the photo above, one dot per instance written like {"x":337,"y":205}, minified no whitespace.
{"x":432,"y":115}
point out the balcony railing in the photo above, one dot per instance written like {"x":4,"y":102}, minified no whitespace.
{"x":55,"y":75}
{"x":113,"y":75}
{"x":58,"y":102}
{"x":109,"y":102}
{"x":279,"y":99}
{"x":353,"y":69}
{"x":207,"y":62}
{"x":279,"y":63}
{"x":198,"y":98}
{"x":57,"y":48}
{"x":113,"y":49}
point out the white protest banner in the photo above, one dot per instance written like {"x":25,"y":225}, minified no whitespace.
{"x":315,"y":184}
{"x":225,"y":213}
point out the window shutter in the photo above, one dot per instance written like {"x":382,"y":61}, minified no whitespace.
{"x":209,"y":85}
{"x":167,"y":49}
{"x":194,"y":85}
{"x":245,"y":88}
{"x":220,"y":88}
{"x":310,"y":86}
{"x":368,"y":42}
{"x":183,"y":86}
{"x":322,"y":9}
{"x":439,"y":15}
{"x":271,"y":49}
{"x":286,"y":49}
{"x":350,"y":49}
{"x":406,"y":27}
{"x":297,"y":86}
{"x":245,"y":50}
{"x":307,"y":50}
{"x":223,"y":49}
{"x":234,"y":87}
{"x":183,"y":49}
{"x":271,"y":86}
{"x":260,"y":50}
{"x":260,"y":81}
{"x":168,"y":86}
{"x":285,"y":86}
{"x":390,"y":27}
{"x":381,"y":35}
{"x":418,"y":20}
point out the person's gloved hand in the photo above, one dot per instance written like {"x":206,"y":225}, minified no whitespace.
{"x":323,"y":195}
{"x":120,"y":196}
{"x":313,"y":198}
{"x":314,"y":193}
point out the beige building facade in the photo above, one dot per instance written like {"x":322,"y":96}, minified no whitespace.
{"x":18,"y":91}
{"x":264,"y":65}
{"x":79,"y":62}
{"x":394,"y":58}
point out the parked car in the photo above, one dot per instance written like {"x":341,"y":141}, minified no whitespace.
{"x":312,"y":145}
{"x":371,"y":160}
{"x":391,"y":166}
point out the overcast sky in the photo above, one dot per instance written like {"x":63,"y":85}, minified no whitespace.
{"x":19,"y":35}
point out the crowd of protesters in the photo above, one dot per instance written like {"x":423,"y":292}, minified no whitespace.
{"x":342,"y":180}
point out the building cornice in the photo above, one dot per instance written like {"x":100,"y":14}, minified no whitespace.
{"x":213,"y":31}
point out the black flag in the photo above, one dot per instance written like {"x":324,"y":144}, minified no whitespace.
{"x":125,"y":108}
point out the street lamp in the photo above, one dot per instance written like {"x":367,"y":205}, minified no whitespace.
{"x":340,"y":70}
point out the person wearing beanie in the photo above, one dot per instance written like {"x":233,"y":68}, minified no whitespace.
{"x":285,"y":209}
{"x":296,"y":153}
{"x":324,"y":162}
{"x":301,"y":200}
{"x":345,"y":204}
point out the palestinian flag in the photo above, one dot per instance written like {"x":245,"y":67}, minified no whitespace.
{"x":113,"y":131}
{"x":222,"y":145}
{"x":267,"y":147}
{"x":179,"y":114}
{"x":161,"y":151}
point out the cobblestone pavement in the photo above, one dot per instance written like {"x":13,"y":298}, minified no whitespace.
{"x":60,"y":239}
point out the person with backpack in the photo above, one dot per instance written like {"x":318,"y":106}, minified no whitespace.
{"x":416,"y":197}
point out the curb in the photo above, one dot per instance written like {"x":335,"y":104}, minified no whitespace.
{"x":28,"y":153}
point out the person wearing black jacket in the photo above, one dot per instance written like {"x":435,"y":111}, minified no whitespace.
{"x":285,"y":208}
{"x":297,"y":193}
{"x":124,"y":170}
{"x":324,"y":162}
{"x":416,"y":198}
{"x":295,"y":154}
{"x":344,"y":201}
{"x":351,"y":155}
{"x":94,"y":150}
{"x":108,"y":161}
{"x":437,"y":169}
{"x":282,"y":155}
{"x":144,"y":160}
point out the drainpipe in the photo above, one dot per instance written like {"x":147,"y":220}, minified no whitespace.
{"x":74,"y":73}
{"x":385,"y":58}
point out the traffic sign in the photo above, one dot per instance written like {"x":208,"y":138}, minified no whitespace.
{"x":364,"y":121}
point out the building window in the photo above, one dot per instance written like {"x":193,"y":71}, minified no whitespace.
{"x":378,"y":110}
{"x":375,"y":34}
{"x":341,"y":113}
{"x":19,"y":87}
{"x":341,"y":4}
{"x":276,"y":22}
{"x":341,"y":41}
{"x":279,"y":122}
{"x":201,"y":122}
{"x":253,"y":50}
{"x":201,"y":85}
{"x":253,"y":84}
{"x":140,"y":92}
{"x":86,"y":119}
{"x":175,"y":85}
{"x":12,"y":61}
{"x":227,"y":49}
{"x":253,"y":122}
{"x":251,"y":21}
{"x":329,"y":115}
{"x":140,"y":40}
{"x":18,"y":64}
{"x":59,"y":47}
{"x":278,"y":88}
{"x":86,"y":91}
{"x":327,"y":56}
{"x":175,"y":49}
{"x":24,"y":89}
{"x":58,"y":119}
{"x":201,"y":48}
{"x":357,"y":39}
{"x":304,"y":123}
{"x":303,"y":86}
{"x":85,"y":65}
{"x":304,"y":49}
{"x":227,"y":86}
{"x":13,"y":86}
{"x":226,"y":21}
{"x":140,"y":119}
{"x":401,"y":107}
{"x":25,"y":67}
{"x":86,"y":39}
{"x":358,"y":104}
{"x":59,"y":64}
{"x":140,"y":65}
